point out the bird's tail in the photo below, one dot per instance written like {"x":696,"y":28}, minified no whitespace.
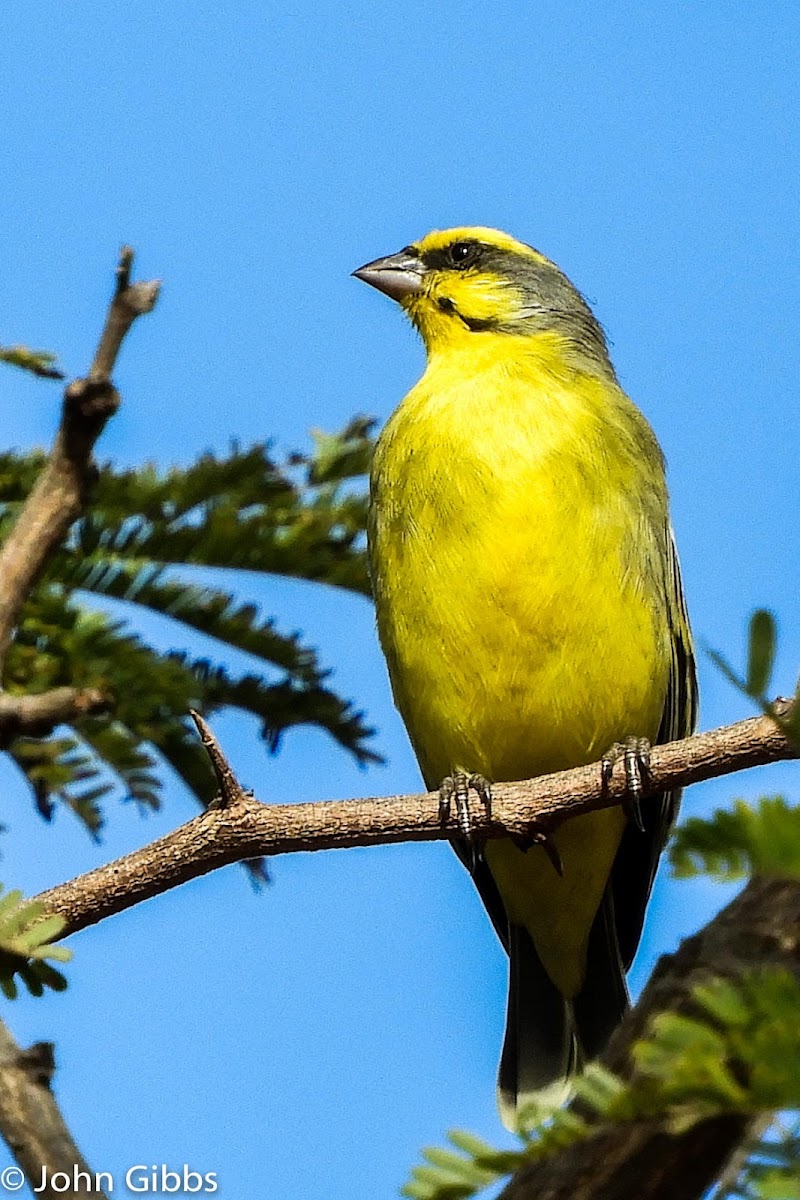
{"x":540,"y":1048}
{"x":548,"y":1037}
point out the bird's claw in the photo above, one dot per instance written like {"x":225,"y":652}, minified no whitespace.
{"x":457,"y":787}
{"x":634,"y":752}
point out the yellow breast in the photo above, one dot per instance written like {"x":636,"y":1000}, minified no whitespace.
{"x":517,"y":549}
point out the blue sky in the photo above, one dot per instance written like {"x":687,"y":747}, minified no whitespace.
{"x":311,"y":1039}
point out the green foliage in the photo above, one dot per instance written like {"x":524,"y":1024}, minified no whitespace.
{"x":761,"y":648}
{"x":38,"y":362}
{"x":544,"y":1129}
{"x":762,"y":839}
{"x":761,"y":653}
{"x":738,"y":1051}
{"x":140,"y":546}
{"x":342,"y":455}
{"x":26,"y":942}
{"x":457,"y":1174}
{"x":771,"y":1169}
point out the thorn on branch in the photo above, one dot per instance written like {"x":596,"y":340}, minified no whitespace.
{"x":230,"y":790}
{"x":39,"y":1062}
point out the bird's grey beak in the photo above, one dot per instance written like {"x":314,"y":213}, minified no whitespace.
{"x":398,"y":275}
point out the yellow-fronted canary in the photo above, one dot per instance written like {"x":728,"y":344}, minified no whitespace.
{"x":530,"y":608}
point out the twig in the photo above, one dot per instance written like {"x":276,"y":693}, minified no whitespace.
{"x":59,"y":495}
{"x":37,"y":715}
{"x":245,"y":828}
{"x":131,"y":300}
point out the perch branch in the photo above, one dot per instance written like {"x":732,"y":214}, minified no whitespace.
{"x":242,"y":828}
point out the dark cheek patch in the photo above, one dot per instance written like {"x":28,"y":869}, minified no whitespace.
{"x":477,"y":325}
{"x":474,"y":324}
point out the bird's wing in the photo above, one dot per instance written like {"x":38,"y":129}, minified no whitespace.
{"x":638,"y":854}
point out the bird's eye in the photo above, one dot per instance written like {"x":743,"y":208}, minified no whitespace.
{"x":463,"y":253}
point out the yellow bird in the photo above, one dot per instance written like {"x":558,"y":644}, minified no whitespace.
{"x":530,"y":608}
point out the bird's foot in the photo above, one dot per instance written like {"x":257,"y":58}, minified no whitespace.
{"x":634,"y":752}
{"x":457,"y":787}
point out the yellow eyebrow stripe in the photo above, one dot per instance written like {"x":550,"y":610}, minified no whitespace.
{"x":438,"y":239}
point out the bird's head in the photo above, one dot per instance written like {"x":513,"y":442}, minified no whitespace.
{"x":459,"y":284}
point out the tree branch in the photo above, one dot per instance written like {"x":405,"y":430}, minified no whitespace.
{"x":59,"y":495}
{"x":31,"y":1122}
{"x":760,"y":928}
{"x":243,"y":828}
{"x":37,"y":715}
{"x":29,"y":1117}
